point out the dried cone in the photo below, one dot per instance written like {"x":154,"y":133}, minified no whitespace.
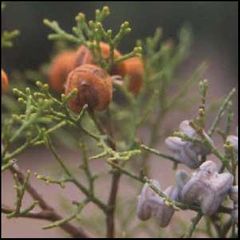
{"x":4,"y":81}
{"x":61,"y":66}
{"x":134,"y":69}
{"x":94,"y":87}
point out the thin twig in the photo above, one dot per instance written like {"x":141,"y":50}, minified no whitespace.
{"x":220,"y":112}
{"x":193,"y":226}
{"x":154,"y":151}
{"x":48,"y":212}
{"x":75,"y":181}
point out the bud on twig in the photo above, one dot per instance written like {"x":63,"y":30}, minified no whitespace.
{"x":150,"y":204}
{"x":207,"y":188}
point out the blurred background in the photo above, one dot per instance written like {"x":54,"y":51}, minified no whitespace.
{"x":215,"y":31}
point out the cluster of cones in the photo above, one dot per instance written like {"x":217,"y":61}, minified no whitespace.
{"x":78,"y":69}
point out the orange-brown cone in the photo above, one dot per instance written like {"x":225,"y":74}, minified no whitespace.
{"x":134,"y":69}
{"x":4,"y":81}
{"x":94,"y":87}
{"x":61,"y":66}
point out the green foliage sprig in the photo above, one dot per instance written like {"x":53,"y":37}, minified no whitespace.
{"x":8,"y":36}
{"x":91,"y":33}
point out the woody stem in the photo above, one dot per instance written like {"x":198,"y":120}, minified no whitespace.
{"x":116,"y":174}
{"x":112,"y":204}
